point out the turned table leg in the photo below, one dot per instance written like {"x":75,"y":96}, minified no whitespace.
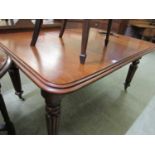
{"x":8,"y":124}
{"x":53,"y":102}
{"x":132,"y":69}
{"x":36,"y":32}
{"x":16,"y":80}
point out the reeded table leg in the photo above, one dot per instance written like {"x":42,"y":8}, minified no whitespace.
{"x":132,"y":69}
{"x":8,"y":124}
{"x":16,"y":80}
{"x":53,"y":102}
{"x":36,"y":32}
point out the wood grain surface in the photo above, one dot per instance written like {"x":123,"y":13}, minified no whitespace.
{"x":54,"y":63}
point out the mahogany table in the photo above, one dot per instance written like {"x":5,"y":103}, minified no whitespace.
{"x":53,"y":64}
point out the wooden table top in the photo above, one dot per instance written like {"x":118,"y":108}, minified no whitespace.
{"x":54,"y":63}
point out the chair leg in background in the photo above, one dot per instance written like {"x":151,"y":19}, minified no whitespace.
{"x":8,"y":124}
{"x":16,"y":80}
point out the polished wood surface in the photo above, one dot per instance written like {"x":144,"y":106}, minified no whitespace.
{"x":54,"y":63}
{"x":87,"y":23}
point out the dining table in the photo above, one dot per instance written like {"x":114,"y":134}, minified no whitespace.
{"x":54,"y":66}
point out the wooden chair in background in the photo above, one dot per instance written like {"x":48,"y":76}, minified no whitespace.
{"x":85,"y":34}
{"x":7,"y":65}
